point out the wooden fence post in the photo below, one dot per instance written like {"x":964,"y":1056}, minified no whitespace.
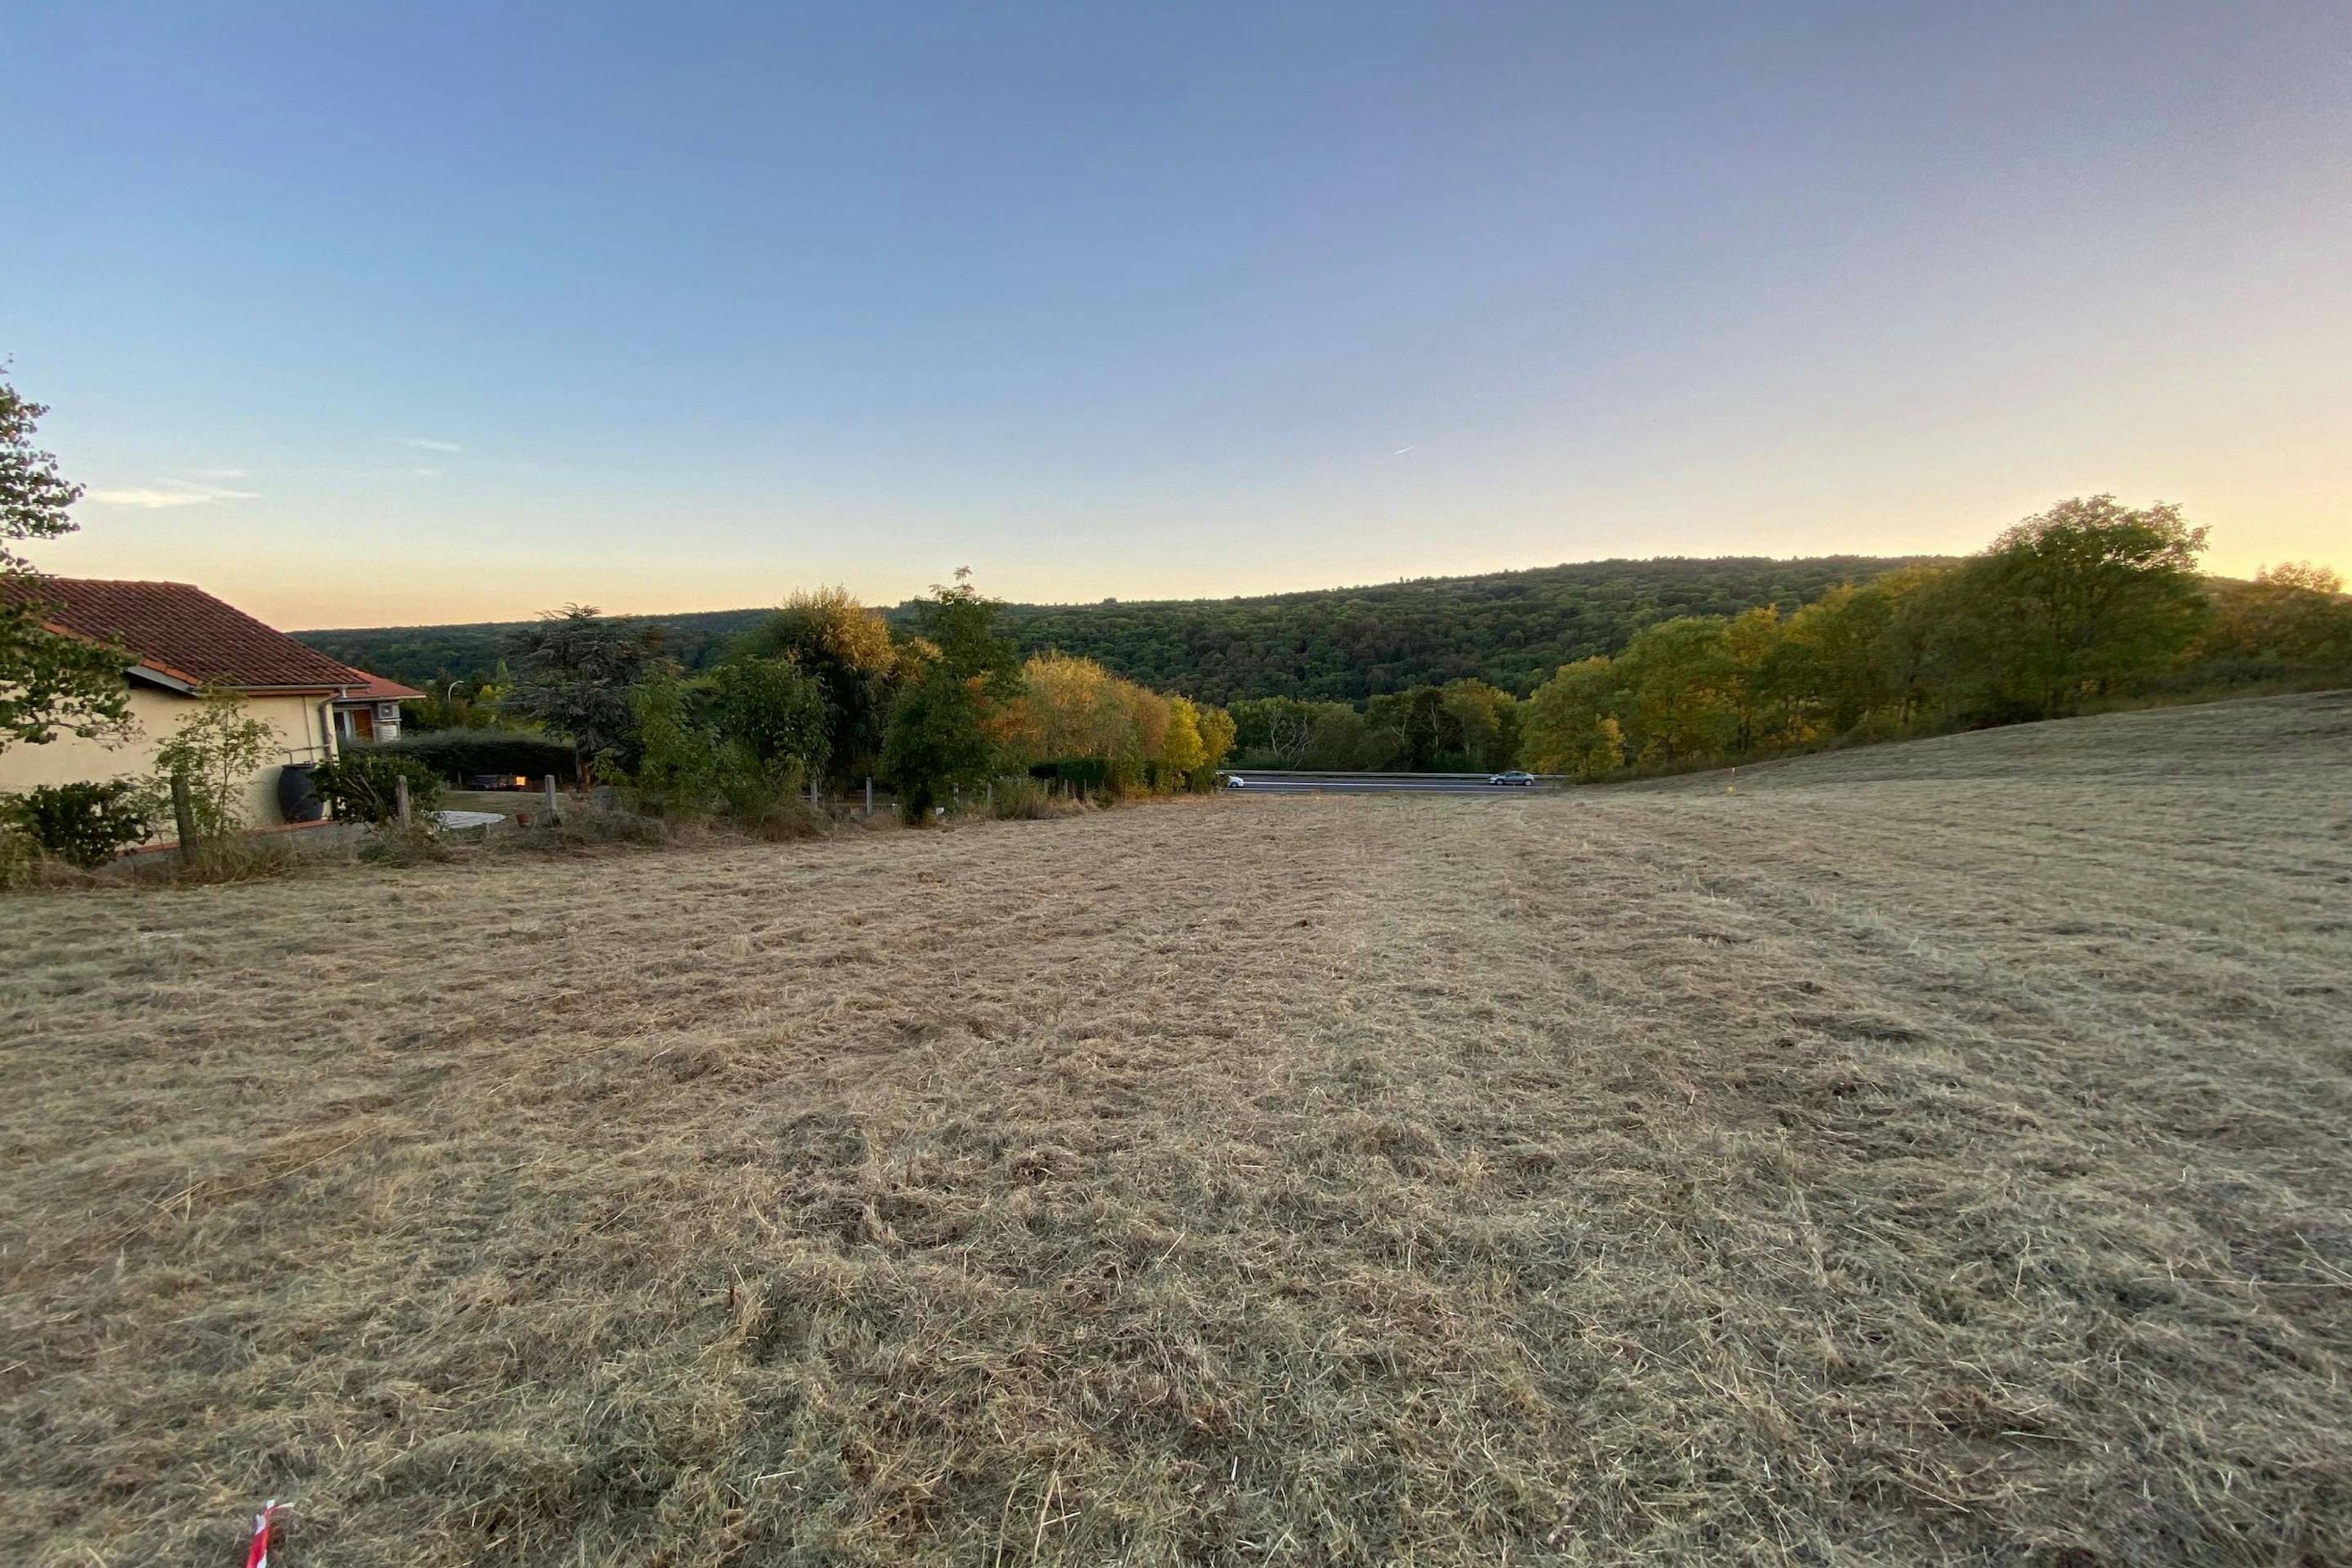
{"x":183,"y":816}
{"x":400,"y":798}
{"x":869,"y":798}
{"x":547,"y":788}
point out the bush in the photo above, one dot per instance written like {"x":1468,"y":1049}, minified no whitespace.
{"x":693,"y":765}
{"x":216,"y":749}
{"x":362,"y":784}
{"x":1026,"y":800}
{"x":459,"y":754}
{"x":84,"y":825}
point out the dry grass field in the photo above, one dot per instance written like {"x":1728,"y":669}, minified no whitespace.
{"x":1935,"y":1154}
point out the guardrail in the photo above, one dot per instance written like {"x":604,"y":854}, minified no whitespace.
{"x":1304,"y":776}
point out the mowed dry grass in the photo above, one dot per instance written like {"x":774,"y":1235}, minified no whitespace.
{"x":1935,"y":1154}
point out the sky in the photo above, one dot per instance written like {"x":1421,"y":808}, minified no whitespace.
{"x":362,"y":315}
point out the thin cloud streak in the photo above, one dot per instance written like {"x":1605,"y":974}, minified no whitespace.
{"x":424,"y":444}
{"x":155,"y":497}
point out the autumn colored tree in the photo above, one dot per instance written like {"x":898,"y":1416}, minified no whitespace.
{"x":1676,"y":682}
{"x":847,"y":650}
{"x":1572,"y":727}
{"x":1182,"y":749}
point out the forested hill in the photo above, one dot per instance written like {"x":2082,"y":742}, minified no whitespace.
{"x":1512,"y":628}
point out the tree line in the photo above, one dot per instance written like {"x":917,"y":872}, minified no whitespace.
{"x":2089,"y":602}
{"x":1508,"y":629}
{"x":823,"y":693}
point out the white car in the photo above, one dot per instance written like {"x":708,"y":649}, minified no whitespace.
{"x":1235,"y":781}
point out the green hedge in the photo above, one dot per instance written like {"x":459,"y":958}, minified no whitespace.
{"x":359,"y":785}
{"x":458,"y":755}
{"x":84,"y":825}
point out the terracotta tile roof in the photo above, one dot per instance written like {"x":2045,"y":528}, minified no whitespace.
{"x":183,"y":631}
{"x":379,"y":688}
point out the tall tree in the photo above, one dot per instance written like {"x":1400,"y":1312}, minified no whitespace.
{"x":572,"y":673}
{"x":1675,"y":681}
{"x":846,"y":648}
{"x":2072,"y":600}
{"x":945,"y":724}
{"x":1571,"y":727}
{"x":49,"y":684}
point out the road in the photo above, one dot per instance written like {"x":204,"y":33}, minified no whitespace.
{"x":1377,"y":784}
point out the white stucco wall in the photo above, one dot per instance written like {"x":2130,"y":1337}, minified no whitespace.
{"x":156,"y":713}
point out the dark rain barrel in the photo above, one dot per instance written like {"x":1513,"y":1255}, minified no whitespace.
{"x":298,"y":794}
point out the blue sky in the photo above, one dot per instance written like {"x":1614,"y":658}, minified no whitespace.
{"x":361,"y":315}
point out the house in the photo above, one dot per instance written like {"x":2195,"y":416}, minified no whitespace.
{"x":372,"y":712}
{"x":181,"y":640}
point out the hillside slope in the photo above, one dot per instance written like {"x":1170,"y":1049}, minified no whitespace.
{"x":1512,"y":628}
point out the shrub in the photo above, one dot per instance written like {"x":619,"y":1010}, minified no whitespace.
{"x":459,"y":754}
{"x":1026,"y":800}
{"x":217,"y":749}
{"x":362,"y":784}
{"x":84,"y":825}
{"x":691,"y":764}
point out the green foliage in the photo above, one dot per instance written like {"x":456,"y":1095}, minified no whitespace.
{"x":1675,"y":694}
{"x":1289,"y":732}
{"x":1572,"y":722}
{"x":2088,"y":600}
{"x":944,"y":733}
{"x":461,"y":755}
{"x":84,"y":823}
{"x":217,"y":749}
{"x":573,"y":672}
{"x":2291,"y":622}
{"x":968,"y":631}
{"x":1464,"y":726}
{"x":49,"y":684}
{"x":362,"y":784}
{"x":2072,"y":600}
{"x":773,"y":709}
{"x":846,"y":648}
{"x":452,"y":704}
{"x":1510,"y":629}
{"x":938,"y":740}
{"x":721,"y":747}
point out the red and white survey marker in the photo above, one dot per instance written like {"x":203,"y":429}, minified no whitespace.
{"x":258,"y":1554}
